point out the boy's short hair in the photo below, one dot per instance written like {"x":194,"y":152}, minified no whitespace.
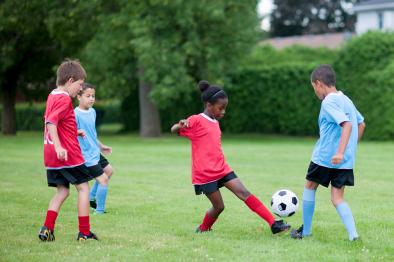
{"x":86,"y":86}
{"x":69,"y":69}
{"x":325,"y":74}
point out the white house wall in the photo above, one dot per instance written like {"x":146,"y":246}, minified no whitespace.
{"x":370,"y":21}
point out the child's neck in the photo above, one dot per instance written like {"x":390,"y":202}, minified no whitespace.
{"x":62,"y":88}
{"x":329,"y":90}
{"x":83,"y":108}
{"x":208,"y":114}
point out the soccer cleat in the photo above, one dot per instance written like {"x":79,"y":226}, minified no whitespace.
{"x":93,"y":204}
{"x":46,"y":234}
{"x":199,"y":230}
{"x":279,"y":226}
{"x":297,"y":233}
{"x":82,"y":237}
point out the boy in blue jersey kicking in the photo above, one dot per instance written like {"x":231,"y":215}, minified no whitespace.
{"x":341,"y":127}
{"x":98,"y":165}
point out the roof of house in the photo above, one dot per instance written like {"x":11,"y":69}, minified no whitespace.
{"x":373,"y":5}
{"x":332,"y":40}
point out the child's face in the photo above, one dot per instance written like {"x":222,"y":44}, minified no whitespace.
{"x":73,"y":87}
{"x":219,"y":108}
{"x":87,"y":99}
{"x":319,"y":89}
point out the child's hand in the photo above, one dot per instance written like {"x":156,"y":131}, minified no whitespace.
{"x":81,"y":133}
{"x":183,"y":123}
{"x":337,"y":159}
{"x":61,"y":153}
{"x":106,"y":149}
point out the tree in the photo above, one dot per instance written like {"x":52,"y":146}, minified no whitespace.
{"x":298,"y":17}
{"x":169,"y":45}
{"x":35,"y":36}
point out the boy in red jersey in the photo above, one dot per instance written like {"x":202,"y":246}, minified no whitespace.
{"x":62,"y":155}
{"x":209,"y":169}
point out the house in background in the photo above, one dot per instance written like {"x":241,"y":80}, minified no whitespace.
{"x":374,"y":15}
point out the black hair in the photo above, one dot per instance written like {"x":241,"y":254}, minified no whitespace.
{"x":86,"y":86}
{"x":325,"y":74}
{"x":210,"y":93}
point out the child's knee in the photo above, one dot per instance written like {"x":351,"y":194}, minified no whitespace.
{"x":336,"y":200}
{"x":108,"y":170}
{"x":243,"y":194}
{"x":63,"y":192}
{"x":219,"y":208}
{"x":103,"y":179}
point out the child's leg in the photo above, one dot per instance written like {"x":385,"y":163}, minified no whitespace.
{"x":308,"y":206}
{"x":54,"y":206}
{"x":101,"y":194}
{"x":108,"y":170}
{"x":214,"y":212}
{"x":250,"y":200}
{"x":93,"y":191}
{"x":344,"y":211}
{"x":83,"y":207}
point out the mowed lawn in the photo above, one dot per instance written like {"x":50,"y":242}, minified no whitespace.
{"x":153,"y":211}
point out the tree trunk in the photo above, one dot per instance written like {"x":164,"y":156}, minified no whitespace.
{"x":149,"y":114}
{"x":8,"y":118}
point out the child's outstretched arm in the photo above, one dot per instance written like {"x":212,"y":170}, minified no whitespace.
{"x":346,"y":131}
{"x":105,"y":149}
{"x":361,"y":128}
{"x":60,"y":151}
{"x":181,"y":124}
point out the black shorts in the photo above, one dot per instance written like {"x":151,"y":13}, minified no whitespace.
{"x":215,"y":185}
{"x":324,"y":175}
{"x":74,"y":175}
{"x":98,"y":170}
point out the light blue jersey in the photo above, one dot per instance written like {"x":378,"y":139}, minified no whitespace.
{"x":86,"y":120}
{"x":335,"y":109}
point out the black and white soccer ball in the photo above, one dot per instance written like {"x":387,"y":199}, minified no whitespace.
{"x":284,"y":203}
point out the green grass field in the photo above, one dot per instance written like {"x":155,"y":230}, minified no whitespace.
{"x":152,"y":209}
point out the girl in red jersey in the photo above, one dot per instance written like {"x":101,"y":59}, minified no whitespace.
{"x":209,"y":168}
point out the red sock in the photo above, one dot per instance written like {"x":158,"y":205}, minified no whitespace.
{"x":256,"y":206}
{"x":207,"y":222}
{"x":50,"y":219}
{"x":84,"y":226}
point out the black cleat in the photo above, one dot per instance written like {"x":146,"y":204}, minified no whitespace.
{"x":297,"y":233}
{"x":93,"y":204}
{"x":82,"y":237}
{"x":279,"y":226}
{"x":46,"y":234}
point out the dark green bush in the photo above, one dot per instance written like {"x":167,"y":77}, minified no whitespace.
{"x":365,"y":70}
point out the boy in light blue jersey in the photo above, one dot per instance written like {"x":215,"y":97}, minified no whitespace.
{"x":341,"y":127}
{"x":98,"y":165}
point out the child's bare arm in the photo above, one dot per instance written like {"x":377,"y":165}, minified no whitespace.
{"x":60,"y":151}
{"x":105,"y":149}
{"x":361,"y":128}
{"x":346,"y":131}
{"x":181,"y":124}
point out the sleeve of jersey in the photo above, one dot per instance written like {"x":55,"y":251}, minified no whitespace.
{"x":190,"y":130}
{"x":57,"y":111}
{"x":77,"y":119}
{"x":334,"y":112}
{"x":360,"y":117}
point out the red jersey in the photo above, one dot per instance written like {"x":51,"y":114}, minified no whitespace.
{"x":60,"y":112}
{"x":208,"y":163}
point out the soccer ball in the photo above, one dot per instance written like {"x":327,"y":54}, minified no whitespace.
{"x":284,"y":203}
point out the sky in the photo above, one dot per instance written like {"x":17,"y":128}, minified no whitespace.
{"x":264,"y":8}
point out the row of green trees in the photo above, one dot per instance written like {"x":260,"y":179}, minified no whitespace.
{"x":159,"y":48}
